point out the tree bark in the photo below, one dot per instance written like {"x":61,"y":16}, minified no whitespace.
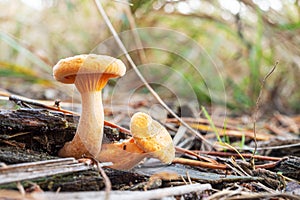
{"x":41,"y":130}
{"x":30,"y":135}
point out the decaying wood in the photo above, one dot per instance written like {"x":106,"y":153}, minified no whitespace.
{"x":195,"y":175}
{"x":15,"y":154}
{"x":31,"y":135}
{"x":35,"y":129}
{"x":41,"y":130}
{"x":23,"y":171}
{"x":289,"y":166}
{"x":69,"y":175}
{"x":65,"y":174}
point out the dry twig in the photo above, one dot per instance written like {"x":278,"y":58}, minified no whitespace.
{"x":106,"y":180}
{"x":191,"y":162}
{"x":126,"y":195}
{"x":245,"y":155}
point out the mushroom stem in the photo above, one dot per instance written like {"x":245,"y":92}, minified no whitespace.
{"x":89,"y":133}
{"x":124,"y":155}
{"x":90,"y":127}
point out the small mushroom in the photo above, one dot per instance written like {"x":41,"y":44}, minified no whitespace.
{"x":90,"y":74}
{"x":152,"y":137}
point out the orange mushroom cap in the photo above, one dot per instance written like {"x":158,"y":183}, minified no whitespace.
{"x":152,"y":137}
{"x":67,"y":69}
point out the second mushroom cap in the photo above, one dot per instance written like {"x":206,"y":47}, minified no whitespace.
{"x":152,"y":137}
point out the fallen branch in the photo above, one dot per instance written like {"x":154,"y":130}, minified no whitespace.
{"x":190,"y":162}
{"x":124,"y":195}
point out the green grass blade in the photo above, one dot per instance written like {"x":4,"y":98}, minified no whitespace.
{"x":18,"y":47}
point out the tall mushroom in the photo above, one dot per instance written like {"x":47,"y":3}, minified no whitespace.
{"x":90,"y":74}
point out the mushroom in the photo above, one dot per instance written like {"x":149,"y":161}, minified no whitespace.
{"x":90,"y":74}
{"x":152,"y":137}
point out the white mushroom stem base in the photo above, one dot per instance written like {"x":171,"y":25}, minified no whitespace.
{"x":88,"y":137}
{"x":124,"y":155}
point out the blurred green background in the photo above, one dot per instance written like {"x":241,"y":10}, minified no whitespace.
{"x":244,"y":38}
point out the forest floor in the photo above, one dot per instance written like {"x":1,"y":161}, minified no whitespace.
{"x":32,"y":134}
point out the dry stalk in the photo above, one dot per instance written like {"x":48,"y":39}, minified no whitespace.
{"x":137,"y":38}
{"x":141,"y":77}
{"x":256,"y":110}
